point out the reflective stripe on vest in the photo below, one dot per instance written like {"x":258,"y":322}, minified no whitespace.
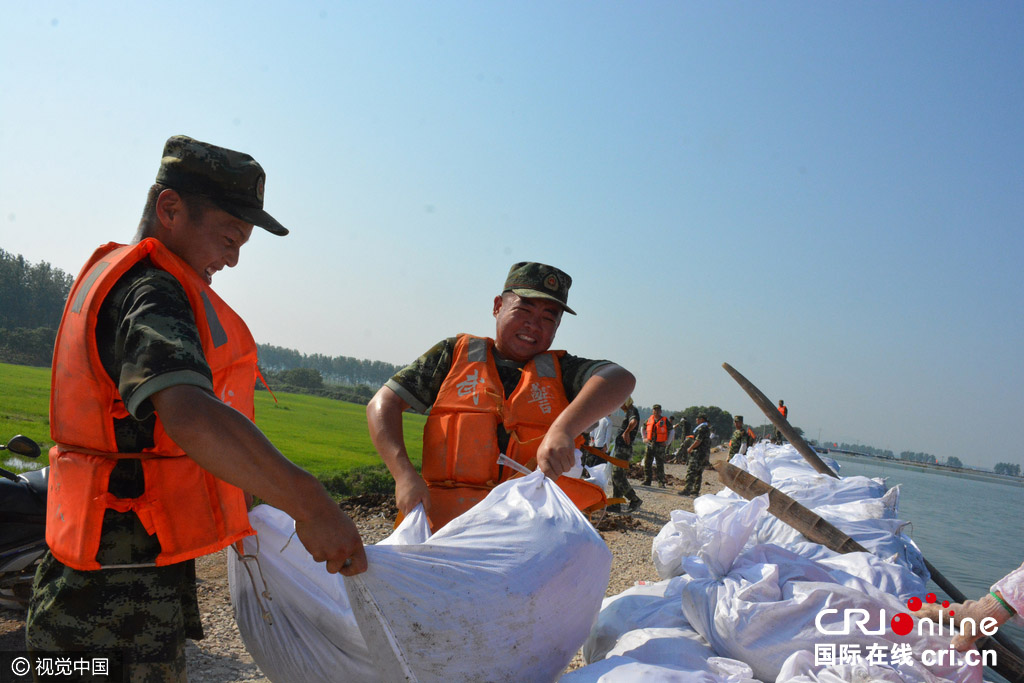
{"x":191,"y":512}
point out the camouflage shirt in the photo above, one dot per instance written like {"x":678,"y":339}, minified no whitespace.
{"x":738,"y":437}
{"x":419,"y":383}
{"x":147,"y":339}
{"x":702,"y":438}
{"x":631,"y":414}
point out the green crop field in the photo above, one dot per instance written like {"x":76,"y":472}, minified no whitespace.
{"x":327,"y":437}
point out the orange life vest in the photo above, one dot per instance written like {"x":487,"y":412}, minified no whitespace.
{"x":658,"y":427}
{"x":460,"y":438}
{"x":784,"y":410}
{"x":191,"y":512}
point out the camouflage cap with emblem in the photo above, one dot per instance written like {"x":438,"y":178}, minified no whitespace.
{"x":232,"y":180}
{"x":532,"y":280}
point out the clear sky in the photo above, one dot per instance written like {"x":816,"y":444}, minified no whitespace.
{"x":829,"y":196}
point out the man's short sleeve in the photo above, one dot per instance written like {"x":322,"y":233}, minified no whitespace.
{"x":419,"y":383}
{"x":148,"y":339}
{"x":576,"y":371}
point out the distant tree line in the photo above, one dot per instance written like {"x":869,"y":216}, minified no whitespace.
{"x":1007,"y":468}
{"x":32,"y":300}
{"x":332,"y":369}
{"x":870,"y":450}
{"x":309,"y":381}
{"x":926,"y":458}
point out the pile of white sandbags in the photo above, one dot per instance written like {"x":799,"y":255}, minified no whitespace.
{"x":744,"y":597}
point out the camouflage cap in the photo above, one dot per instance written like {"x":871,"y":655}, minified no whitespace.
{"x":738,"y":418}
{"x":232,"y":180}
{"x":538,"y":281}
{"x":656,"y":406}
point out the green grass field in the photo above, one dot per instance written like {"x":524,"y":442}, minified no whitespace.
{"x":327,"y":437}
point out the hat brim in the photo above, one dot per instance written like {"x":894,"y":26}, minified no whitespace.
{"x":537,"y":294}
{"x":255,"y":216}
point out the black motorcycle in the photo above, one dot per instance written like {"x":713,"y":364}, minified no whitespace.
{"x":22,"y":525}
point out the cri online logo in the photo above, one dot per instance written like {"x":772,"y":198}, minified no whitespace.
{"x":902,"y":623}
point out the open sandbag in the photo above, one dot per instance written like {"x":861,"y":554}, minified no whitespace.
{"x":507,"y":591}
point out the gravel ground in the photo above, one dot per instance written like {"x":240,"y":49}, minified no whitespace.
{"x":222,"y":658}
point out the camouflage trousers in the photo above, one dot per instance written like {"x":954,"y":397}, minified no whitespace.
{"x":698,"y":460}
{"x":655,"y":459}
{"x":140,"y":616}
{"x":621,"y":488}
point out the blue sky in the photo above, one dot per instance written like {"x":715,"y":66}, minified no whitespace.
{"x":827,"y":196}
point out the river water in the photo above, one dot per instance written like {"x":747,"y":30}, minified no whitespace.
{"x":971,"y":530}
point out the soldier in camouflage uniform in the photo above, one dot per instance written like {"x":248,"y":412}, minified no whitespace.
{"x":621,"y":488}
{"x":149,"y":345}
{"x":740,"y":437}
{"x":656,"y":433}
{"x":699,"y":453}
{"x":527,"y":314}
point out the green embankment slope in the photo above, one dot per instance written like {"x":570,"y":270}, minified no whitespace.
{"x":327,"y":437}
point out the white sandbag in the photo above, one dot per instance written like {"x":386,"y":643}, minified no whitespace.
{"x":713,"y":540}
{"x":627,"y":670}
{"x":883,"y":537}
{"x":663,"y":654}
{"x":767,"y":607}
{"x":576,"y":471}
{"x":507,"y":591}
{"x":601,"y":475}
{"x":314,"y":636}
{"x":799,"y":668}
{"x":646,"y":605}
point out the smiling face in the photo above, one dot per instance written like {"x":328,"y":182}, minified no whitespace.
{"x":525,"y":327}
{"x":206,"y":237}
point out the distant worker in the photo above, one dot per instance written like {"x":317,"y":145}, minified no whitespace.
{"x":601,"y":434}
{"x":509,"y":395}
{"x":656,"y":435}
{"x":785,"y":415}
{"x":683,"y":431}
{"x":698,"y":454}
{"x":598,"y":437}
{"x":741,"y":437}
{"x":1004,"y":601}
{"x":623,"y":450}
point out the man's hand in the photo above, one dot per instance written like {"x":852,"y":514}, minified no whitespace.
{"x":987,"y":607}
{"x":410,"y":491}
{"x":331,"y":536}
{"x":557,"y":453}
{"x":230,"y":447}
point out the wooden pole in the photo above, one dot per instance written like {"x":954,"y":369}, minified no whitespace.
{"x":773,"y":414}
{"x":798,"y":516}
{"x":818,"y":530}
